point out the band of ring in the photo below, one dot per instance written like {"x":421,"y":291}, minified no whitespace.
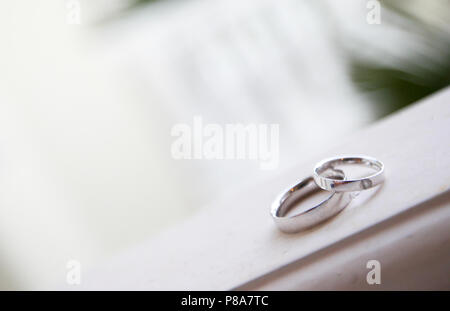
{"x":331,"y":183}
{"x":332,"y":205}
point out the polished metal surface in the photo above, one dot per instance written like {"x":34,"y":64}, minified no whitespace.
{"x":332,"y":205}
{"x":328,"y":182}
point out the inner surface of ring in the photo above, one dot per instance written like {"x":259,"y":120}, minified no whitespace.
{"x":302,"y":191}
{"x":330,"y":165}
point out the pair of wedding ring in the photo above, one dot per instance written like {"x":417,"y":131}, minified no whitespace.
{"x":327,"y":177}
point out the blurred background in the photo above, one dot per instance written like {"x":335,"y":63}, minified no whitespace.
{"x":90,"y":89}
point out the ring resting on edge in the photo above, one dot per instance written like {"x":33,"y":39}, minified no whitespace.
{"x":328,"y":182}
{"x":333,"y":204}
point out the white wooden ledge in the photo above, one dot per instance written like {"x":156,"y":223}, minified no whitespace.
{"x":234,"y":244}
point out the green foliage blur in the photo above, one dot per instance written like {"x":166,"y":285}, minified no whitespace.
{"x":411,"y":78}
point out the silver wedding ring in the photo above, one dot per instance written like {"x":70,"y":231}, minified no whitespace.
{"x":327,"y":182}
{"x":326,"y":176}
{"x":314,"y":215}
